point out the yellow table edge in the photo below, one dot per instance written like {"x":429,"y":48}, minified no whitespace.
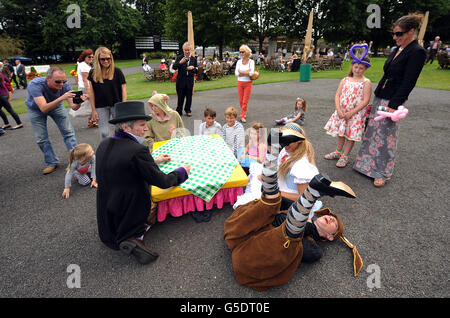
{"x":238,"y":178}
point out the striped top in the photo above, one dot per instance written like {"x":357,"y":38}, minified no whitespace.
{"x":234,"y":136}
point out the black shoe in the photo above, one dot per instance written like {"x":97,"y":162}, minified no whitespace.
{"x":139,"y":250}
{"x":323,"y":184}
{"x":207,"y":216}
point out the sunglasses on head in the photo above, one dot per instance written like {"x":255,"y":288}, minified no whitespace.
{"x":105,"y":59}
{"x":397,"y":34}
{"x":60,"y":82}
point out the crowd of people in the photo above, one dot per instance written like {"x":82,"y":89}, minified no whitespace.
{"x":267,"y":244}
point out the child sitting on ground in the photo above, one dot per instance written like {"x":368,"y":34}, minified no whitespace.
{"x":298,"y":116}
{"x":256,"y":149}
{"x":165,"y":123}
{"x":233,"y":131}
{"x":210,"y":126}
{"x":81,"y":167}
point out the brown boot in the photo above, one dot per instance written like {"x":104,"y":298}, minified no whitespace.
{"x":50,"y":169}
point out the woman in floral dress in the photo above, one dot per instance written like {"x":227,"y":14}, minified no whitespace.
{"x":376,"y":157}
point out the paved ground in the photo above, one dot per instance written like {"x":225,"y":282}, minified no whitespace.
{"x":402,"y":228}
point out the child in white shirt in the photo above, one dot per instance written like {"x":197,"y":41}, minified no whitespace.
{"x":210,"y":126}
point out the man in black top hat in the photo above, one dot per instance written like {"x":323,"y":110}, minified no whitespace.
{"x":125,"y":171}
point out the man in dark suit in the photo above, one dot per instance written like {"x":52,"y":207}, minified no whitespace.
{"x":125,"y":171}
{"x":22,"y":74}
{"x":186,"y":65}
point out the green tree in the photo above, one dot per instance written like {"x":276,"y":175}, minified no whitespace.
{"x":103,"y":22}
{"x":43,"y":28}
{"x":153,"y":14}
{"x":213,"y":21}
{"x":261,"y":19}
{"x":9,"y":47}
{"x":21,"y":20}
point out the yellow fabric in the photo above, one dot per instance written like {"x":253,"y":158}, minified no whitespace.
{"x":238,"y":178}
{"x":357,"y":260}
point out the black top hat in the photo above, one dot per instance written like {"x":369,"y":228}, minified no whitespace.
{"x":126,"y":111}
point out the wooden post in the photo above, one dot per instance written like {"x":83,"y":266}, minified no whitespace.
{"x":307,"y":47}
{"x":423,"y":28}
{"x":191,"y":33}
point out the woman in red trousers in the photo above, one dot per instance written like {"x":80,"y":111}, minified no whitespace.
{"x":245,"y":68}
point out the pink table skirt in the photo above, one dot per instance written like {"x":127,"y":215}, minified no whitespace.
{"x":176,"y":207}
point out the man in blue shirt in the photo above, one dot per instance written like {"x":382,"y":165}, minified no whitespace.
{"x":45,"y":96}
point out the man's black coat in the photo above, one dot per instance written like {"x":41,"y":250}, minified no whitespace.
{"x":125,"y":171}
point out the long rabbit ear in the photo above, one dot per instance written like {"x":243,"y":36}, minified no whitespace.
{"x":357,"y":260}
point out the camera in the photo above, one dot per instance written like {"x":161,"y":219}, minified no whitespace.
{"x":77,"y":98}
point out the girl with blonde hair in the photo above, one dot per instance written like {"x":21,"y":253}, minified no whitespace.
{"x":107,"y":87}
{"x":296,"y":164}
{"x":296,"y":168}
{"x":81,"y":167}
{"x":245,"y":68}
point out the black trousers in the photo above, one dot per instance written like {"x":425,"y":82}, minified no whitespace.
{"x":184,"y":93}
{"x":23,"y":81}
{"x":432,"y":55}
{"x":5,"y":103}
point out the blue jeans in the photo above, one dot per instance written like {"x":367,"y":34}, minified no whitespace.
{"x":38,"y":122}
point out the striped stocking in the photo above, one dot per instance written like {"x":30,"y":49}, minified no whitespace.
{"x":269,"y":175}
{"x":299,"y":211}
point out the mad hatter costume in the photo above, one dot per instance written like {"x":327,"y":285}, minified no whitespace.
{"x":267,"y":246}
{"x":125,"y":171}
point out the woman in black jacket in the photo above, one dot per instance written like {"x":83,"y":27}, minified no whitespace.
{"x":376,"y":157}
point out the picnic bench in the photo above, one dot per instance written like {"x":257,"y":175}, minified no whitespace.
{"x":443,"y":58}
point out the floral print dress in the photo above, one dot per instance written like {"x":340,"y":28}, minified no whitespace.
{"x":353,"y":128}
{"x":376,"y":157}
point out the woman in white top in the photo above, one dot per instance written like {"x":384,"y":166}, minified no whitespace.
{"x":83,"y":68}
{"x":245,"y":68}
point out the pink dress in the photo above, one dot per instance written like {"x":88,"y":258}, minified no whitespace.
{"x":353,"y":128}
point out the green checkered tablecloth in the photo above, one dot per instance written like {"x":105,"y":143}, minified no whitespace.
{"x":211,"y":160}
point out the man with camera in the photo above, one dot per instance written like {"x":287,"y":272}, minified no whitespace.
{"x":186,"y":65}
{"x":45,"y":96}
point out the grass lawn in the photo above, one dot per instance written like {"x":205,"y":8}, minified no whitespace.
{"x":138,"y":88}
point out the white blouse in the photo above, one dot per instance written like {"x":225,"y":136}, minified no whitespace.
{"x":301,"y":172}
{"x":249,"y":66}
